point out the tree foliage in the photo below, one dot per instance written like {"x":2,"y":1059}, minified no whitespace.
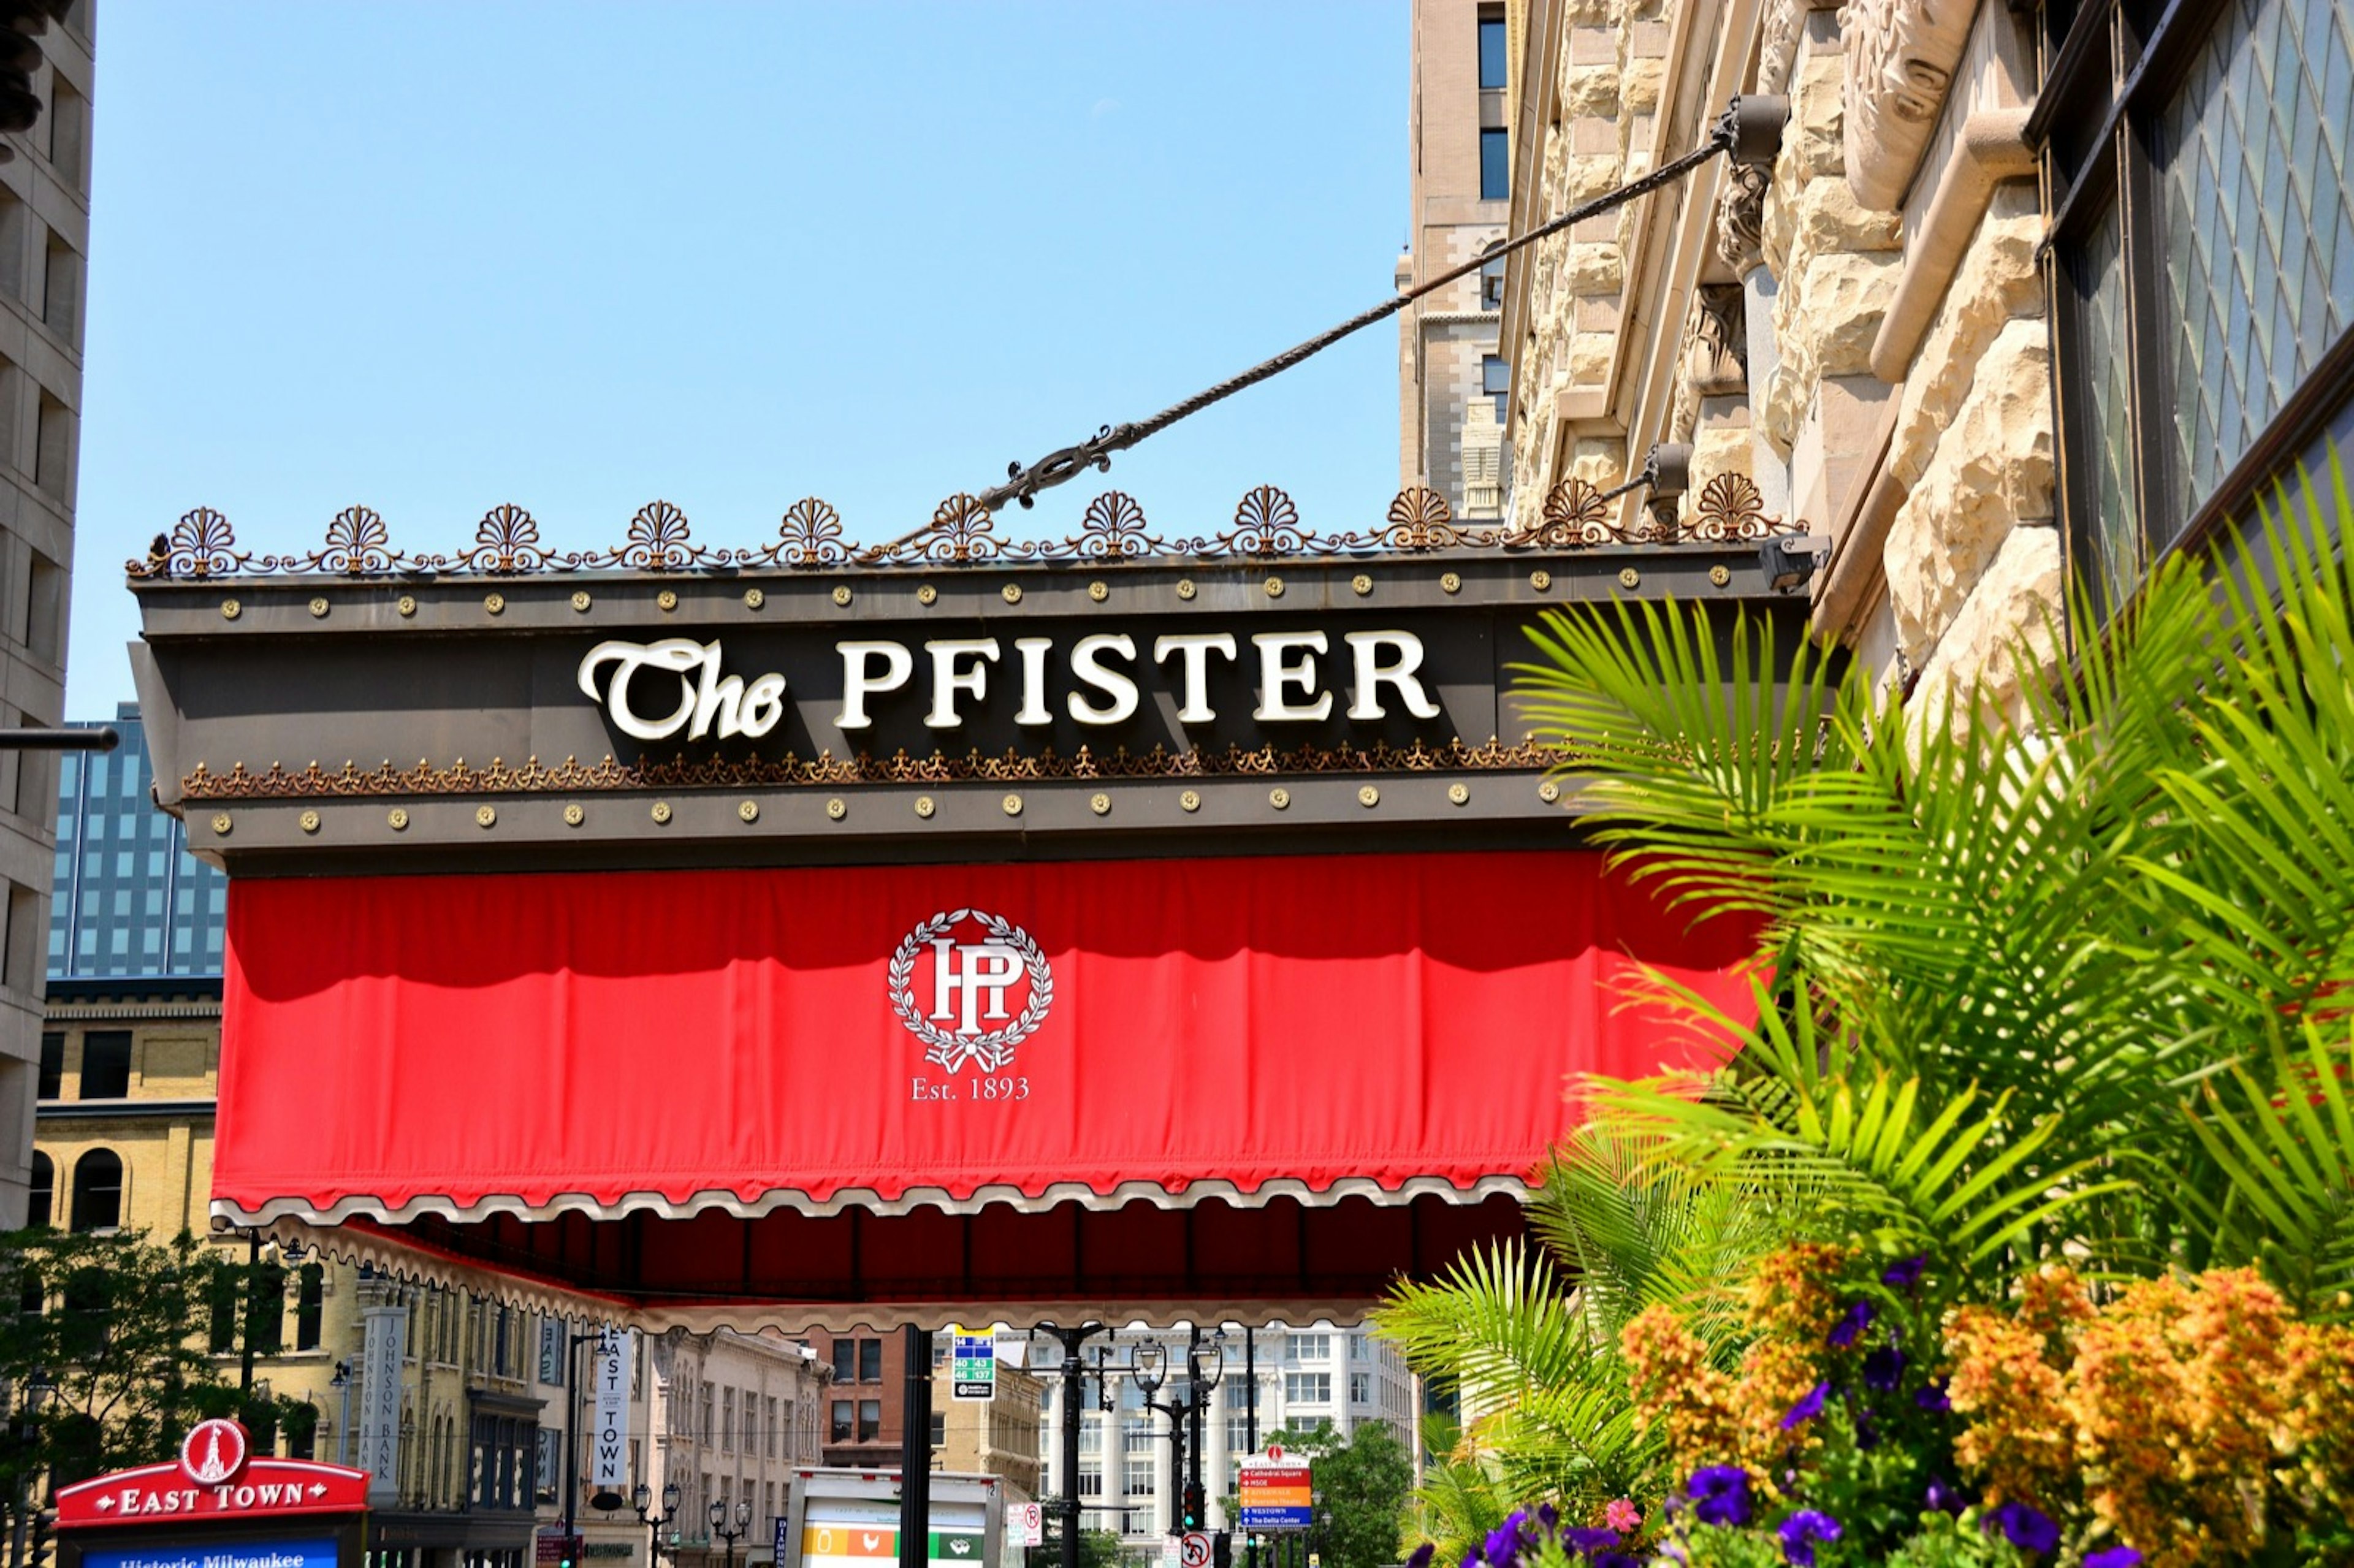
{"x":115,"y":1326}
{"x":2063,"y":972}
{"x":1361,"y":1482}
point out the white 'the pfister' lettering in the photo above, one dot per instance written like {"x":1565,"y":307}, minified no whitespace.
{"x":1101,"y":685}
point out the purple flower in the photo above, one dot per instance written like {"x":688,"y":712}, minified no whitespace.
{"x":1932,"y":1397}
{"x":2113,"y":1557}
{"x":1883,"y":1368}
{"x":1472,"y":1557}
{"x":1617,"y":1560}
{"x":1422,"y":1555}
{"x":1906,"y":1273}
{"x":2024,"y":1527}
{"x":1857,"y":1318}
{"x":1585,"y":1542}
{"x":1505,"y":1541}
{"x":1548,"y":1515}
{"x":1801,"y":1531}
{"x":1720,"y":1494}
{"x":1807,"y":1408}
{"x":1943,"y":1496}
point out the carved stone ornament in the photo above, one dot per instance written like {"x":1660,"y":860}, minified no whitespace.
{"x":1900,"y":56}
{"x":1741,"y":219}
{"x":1721,"y":323}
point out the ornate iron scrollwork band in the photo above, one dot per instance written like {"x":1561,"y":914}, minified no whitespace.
{"x":277,"y":782}
{"x":962,"y":532}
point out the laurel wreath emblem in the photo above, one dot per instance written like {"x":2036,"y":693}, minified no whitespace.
{"x":991,"y":1052}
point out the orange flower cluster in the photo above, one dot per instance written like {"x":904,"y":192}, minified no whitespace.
{"x":1712,"y":1418}
{"x":2199,"y":1417}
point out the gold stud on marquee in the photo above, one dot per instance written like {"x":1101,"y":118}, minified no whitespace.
{"x":1451,"y":582}
{"x":1369,"y":796}
{"x":1275,"y":588}
{"x":308,"y":821}
{"x":221,"y":823}
{"x":231,"y":609}
{"x":1185,"y":587}
{"x":1362,"y":584}
{"x":580,"y":599}
{"x":1629,"y":578}
{"x":837,"y":807}
{"x":319,"y":608}
{"x":754,"y":598}
{"x":495,"y":603}
{"x":666,"y":600}
{"x":749,"y":811}
{"x":486,"y":816}
{"x":1099,"y":590}
{"x":1099,"y":803}
{"x":926,"y":806}
{"x":661,"y":812}
{"x":1458,"y":794}
{"x":574,"y":815}
{"x":1189,"y":800}
{"x":1542,"y":581}
{"x":1548,"y":791}
{"x":1720,"y":574}
{"x":407,"y":604}
{"x":841,"y":594}
{"x":1010,"y":593}
{"x":1278,"y":798}
{"x":1012,"y":804}
{"x":397,"y":818}
{"x":926,"y":594}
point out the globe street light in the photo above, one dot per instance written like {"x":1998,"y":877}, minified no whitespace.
{"x":639,"y":1499}
{"x":719,"y":1525}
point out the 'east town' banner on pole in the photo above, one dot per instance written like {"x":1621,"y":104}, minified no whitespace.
{"x":609,"y":1469}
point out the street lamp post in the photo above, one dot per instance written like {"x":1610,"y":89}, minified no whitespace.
{"x":1148,"y":1365}
{"x":342,"y":1383}
{"x":25,"y":1431}
{"x":642,"y":1496}
{"x":719,"y":1525}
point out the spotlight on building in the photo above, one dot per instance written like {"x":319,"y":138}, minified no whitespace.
{"x":1666,"y":474}
{"x":1756,"y":120}
{"x":1790,"y":562}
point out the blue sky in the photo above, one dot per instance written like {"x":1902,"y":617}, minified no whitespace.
{"x":432,"y":258}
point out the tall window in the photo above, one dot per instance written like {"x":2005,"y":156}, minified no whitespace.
{"x":310,"y":1305}
{"x":1495,"y":141}
{"x":870,"y":1419}
{"x":838,"y":1428}
{"x":845,"y":1361}
{"x":870,"y":1361}
{"x":98,"y":1190}
{"x":44,"y":1188}
{"x":2206,"y":249}
{"x":105,"y":1064}
{"x":53,"y":1068}
{"x":1495,"y":381}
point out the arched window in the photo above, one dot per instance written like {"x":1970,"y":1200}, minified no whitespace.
{"x":44,"y":1188}
{"x":98,"y":1190}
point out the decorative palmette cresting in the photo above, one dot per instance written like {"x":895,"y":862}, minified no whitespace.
{"x":201,"y":545}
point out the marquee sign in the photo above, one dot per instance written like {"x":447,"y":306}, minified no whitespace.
{"x":1087,"y":927}
{"x":215,"y":1479}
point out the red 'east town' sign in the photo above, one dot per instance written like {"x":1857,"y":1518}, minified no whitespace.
{"x":213,"y":1479}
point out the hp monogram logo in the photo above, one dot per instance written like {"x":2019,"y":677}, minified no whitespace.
{"x":972,"y":1007}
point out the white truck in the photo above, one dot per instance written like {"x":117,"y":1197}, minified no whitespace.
{"x":850,"y":1518}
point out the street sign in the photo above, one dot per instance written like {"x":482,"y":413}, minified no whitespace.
{"x":1193,"y":1551}
{"x":972,"y":1362}
{"x":1029,"y":1522}
{"x":1275,"y":1491}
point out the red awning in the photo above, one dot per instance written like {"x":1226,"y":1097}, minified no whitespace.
{"x":693,"y":1088}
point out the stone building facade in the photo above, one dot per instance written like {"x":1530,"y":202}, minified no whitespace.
{"x":1449,"y":390}
{"x":44,"y":269}
{"x":1880,"y":336}
{"x":733,"y":1416}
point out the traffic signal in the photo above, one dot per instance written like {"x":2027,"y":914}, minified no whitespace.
{"x":1222,"y":1551}
{"x":1194,"y":1510}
